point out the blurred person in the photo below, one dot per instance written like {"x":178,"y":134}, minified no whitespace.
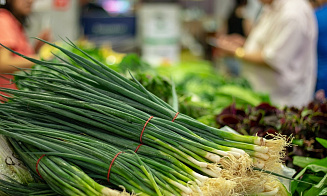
{"x":237,"y":24}
{"x":279,"y":55}
{"x":321,"y":15}
{"x":13,"y":19}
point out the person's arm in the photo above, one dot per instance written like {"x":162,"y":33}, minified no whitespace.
{"x":278,"y":51}
{"x":8,"y":38}
{"x":8,"y":62}
{"x":253,"y":57}
{"x":231,"y":47}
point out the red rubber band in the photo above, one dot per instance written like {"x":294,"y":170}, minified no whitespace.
{"x":175,"y":117}
{"x":144,"y":129}
{"x":112,"y":162}
{"x":137,"y":148}
{"x":37,"y":164}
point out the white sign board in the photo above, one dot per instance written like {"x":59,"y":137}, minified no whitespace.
{"x":159,"y":28}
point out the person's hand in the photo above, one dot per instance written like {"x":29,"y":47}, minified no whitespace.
{"x":228,"y":45}
{"x":44,"y":35}
{"x":237,"y":39}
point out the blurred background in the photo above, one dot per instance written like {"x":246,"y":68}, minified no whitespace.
{"x":160,"y":30}
{"x":177,"y":49}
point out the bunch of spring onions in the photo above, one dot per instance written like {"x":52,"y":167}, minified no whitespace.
{"x":84,"y":116}
{"x":95,"y":155}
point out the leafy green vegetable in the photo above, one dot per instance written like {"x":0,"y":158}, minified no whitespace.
{"x":304,"y":124}
{"x":303,"y":161}
{"x":132,"y":62}
{"x":322,"y":141}
{"x":314,"y":172}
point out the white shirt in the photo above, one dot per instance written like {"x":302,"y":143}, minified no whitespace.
{"x":286,"y":34}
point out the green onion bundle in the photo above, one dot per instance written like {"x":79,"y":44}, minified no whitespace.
{"x":85,"y":114}
{"x":120,"y":123}
{"x":111,"y":84}
{"x":95,"y":155}
{"x":62,"y":177}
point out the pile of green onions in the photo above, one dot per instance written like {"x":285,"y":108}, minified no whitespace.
{"x":83,"y":116}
